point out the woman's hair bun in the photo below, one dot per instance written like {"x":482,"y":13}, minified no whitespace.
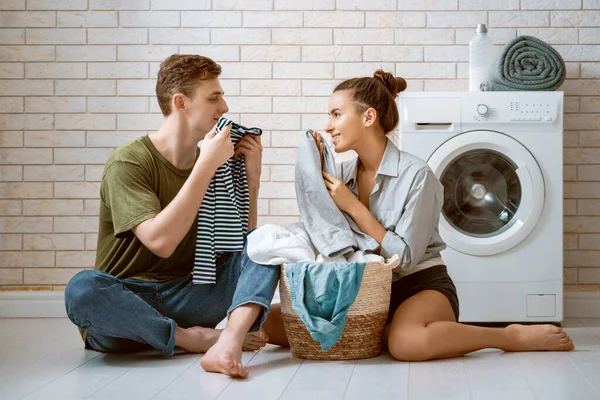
{"x":393,"y":84}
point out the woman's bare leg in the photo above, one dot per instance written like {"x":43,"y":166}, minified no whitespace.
{"x":424,"y":328}
{"x":274,"y":327}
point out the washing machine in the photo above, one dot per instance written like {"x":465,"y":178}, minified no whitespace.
{"x":499,"y":156}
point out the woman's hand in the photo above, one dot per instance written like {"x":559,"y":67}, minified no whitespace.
{"x":347,"y":202}
{"x":319,"y":142}
{"x":343,"y":197}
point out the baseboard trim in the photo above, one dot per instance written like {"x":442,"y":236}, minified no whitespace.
{"x":32,"y":305}
{"x":52,"y":305}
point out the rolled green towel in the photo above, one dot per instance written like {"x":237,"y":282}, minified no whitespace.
{"x":527,"y":63}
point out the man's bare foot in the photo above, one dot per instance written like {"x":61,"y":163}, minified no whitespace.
{"x":538,"y":338}
{"x":197,"y":339}
{"x":225,"y":357}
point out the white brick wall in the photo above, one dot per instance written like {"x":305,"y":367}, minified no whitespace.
{"x":77,"y":79}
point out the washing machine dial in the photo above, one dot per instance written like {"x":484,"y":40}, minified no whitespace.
{"x":483,"y":110}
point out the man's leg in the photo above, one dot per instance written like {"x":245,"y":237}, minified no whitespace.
{"x":249,"y":310}
{"x":201,"y":307}
{"x":115,"y":318}
{"x":256,"y":285}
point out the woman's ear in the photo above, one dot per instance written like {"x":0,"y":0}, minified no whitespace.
{"x":370,"y":116}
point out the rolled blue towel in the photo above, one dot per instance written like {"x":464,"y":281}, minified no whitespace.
{"x":527,"y":63}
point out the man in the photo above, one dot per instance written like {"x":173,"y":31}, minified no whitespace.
{"x":140,"y":294}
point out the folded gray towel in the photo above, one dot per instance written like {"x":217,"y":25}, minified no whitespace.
{"x":331,"y":231}
{"x":527,"y":63}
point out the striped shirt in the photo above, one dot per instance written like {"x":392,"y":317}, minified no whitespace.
{"x":223,"y":215}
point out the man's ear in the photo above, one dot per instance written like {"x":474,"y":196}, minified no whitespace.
{"x":370,"y":116}
{"x":179,"y":102}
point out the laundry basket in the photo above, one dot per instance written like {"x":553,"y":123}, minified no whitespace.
{"x":365,"y":322}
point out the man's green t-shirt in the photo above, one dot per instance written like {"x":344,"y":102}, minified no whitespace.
{"x":138,"y":182}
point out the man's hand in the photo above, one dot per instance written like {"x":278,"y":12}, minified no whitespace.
{"x":251,"y":148}
{"x":163,"y":233}
{"x":216,"y":148}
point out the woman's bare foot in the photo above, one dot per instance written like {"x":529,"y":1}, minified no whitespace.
{"x":225,"y":357}
{"x":537,"y":338}
{"x":197,"y":339}
{"x":255,"y":341}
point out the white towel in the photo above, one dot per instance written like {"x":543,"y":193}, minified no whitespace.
{"x":275,"y":245}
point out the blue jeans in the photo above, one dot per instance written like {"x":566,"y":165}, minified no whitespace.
{"x":126,"y":315}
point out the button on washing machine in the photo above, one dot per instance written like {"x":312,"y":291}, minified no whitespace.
{"x":483,"y":110}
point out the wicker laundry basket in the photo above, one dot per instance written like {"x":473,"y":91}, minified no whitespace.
{"x":365,"y":322}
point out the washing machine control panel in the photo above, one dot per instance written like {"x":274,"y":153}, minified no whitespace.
{"x":535,"y":111}
{"x":515,"y":111}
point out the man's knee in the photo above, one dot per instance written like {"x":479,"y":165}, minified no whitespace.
{"x":410,"y":344}
{"x":82,"y":290}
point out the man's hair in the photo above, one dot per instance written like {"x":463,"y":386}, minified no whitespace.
{"x":182,"y":73}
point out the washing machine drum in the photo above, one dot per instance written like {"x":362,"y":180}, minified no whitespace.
{"x":482,"y":192}
{"x":493,"y":192}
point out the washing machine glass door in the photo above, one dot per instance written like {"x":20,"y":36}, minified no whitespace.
{"x":493,"y":192}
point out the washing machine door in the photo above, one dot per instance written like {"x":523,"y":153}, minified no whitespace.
{"x":493,"y":192}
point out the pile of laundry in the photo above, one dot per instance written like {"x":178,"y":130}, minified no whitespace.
{"x":325,"y":254}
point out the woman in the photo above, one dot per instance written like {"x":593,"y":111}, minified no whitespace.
{"x":395,"y":198}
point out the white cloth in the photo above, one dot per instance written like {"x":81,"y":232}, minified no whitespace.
{"x":322,"y":258}
{"x":359,"y":256}
{"x":274,"y":245}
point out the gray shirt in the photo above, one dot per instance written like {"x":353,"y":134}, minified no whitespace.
{"x":407,"y":201}
{"x":331,"y":231}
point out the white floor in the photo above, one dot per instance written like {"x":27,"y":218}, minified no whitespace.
{"x":44,"y":359}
